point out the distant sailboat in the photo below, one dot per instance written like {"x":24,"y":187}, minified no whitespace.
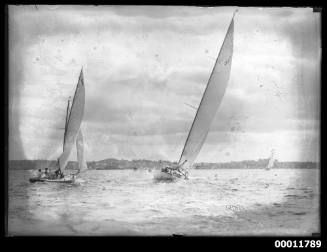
{"x":271,"y":161}
{"x":206,"y":111}
{"x":72,"y":134}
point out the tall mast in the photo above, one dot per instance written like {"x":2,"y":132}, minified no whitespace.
{"x":67,"y":117}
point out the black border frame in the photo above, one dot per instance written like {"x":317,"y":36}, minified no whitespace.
{"x":163,"y":242}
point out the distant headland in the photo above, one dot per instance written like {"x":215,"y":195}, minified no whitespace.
{"x":121,"y":164}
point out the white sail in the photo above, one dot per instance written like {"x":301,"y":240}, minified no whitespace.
{"x":74,"y":122}
{"x":80,"y":151}
{"x":211,"y":100}
{"x":271,"y":161}
{"x":80,"y":148}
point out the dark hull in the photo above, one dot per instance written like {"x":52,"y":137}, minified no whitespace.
{"x":170,"y":175}
{"x":163,"y":176}
{"x":64,"y":180}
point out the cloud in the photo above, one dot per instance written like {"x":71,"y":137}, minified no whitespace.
{"x":142,"y":64}
{"x":306,"y":142}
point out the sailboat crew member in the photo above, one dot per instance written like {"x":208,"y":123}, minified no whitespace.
{"x":59,"y":174}
{"x":39,"y":174}
{"x":46,"y":173}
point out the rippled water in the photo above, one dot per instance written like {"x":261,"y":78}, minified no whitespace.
{"x":127,"y":202}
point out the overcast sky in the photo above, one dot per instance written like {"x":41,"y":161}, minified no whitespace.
{"x":142,"y":64}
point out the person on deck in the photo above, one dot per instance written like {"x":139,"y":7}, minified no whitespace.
{"x":43,"y":175}
{"x":59,"y":174}
{"x":52,"y":175}
{"x":39,"y":174}
{"x":47,"y":173}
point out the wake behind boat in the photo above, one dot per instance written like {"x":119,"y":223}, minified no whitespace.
{"x":72,"y":134}
{"x":206,"y":111}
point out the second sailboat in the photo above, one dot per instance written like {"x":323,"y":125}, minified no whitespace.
{"x":206,"y":111}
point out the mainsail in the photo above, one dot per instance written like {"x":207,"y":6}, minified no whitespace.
{"x":73,"y":123}
{"x":211,"y":100}
{"x":79,"y":144}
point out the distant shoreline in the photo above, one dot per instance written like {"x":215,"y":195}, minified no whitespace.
{"x":116,"y":164}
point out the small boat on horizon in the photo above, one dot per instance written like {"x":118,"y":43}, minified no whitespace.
{"x":205,"y":113}
{"x":271,"y":161}
{"x":72,"y":135}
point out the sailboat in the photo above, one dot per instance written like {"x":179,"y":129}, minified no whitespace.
{"x":72,"y":134}
{"x":271,"y":161}
{"x":206,"y":111}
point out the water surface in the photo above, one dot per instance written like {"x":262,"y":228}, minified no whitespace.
{"x":126,"y":202}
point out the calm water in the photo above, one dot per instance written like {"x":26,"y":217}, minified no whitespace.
{"x":213,"y":202}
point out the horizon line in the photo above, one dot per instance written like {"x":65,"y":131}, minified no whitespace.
{"x":158,"y":160}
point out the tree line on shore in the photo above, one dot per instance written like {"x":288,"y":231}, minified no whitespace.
{"x":116,"y":164}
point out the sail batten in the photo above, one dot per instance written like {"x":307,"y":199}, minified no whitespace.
{"x":75,"y":116}
{"x":210,"y":101}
